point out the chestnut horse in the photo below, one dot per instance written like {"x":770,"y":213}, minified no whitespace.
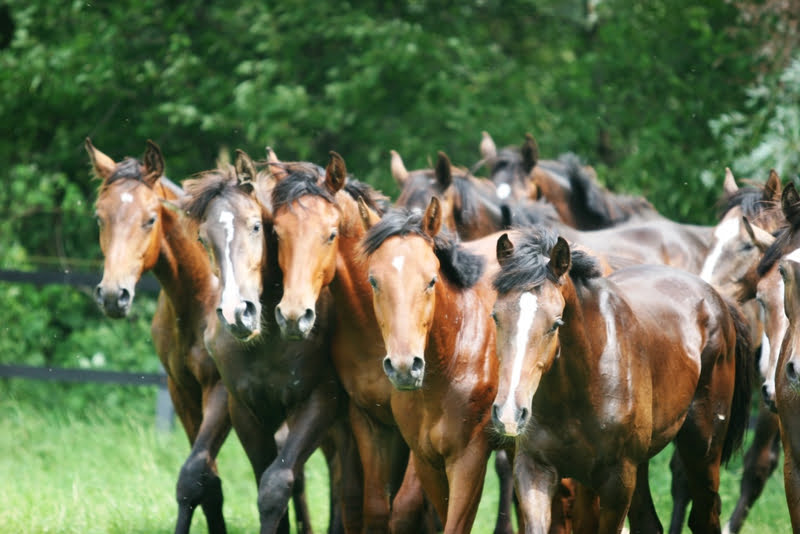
{"x":572,"y":188}
{"x":784,"y":255}
{"x":269,"y":379}
{"x":433,"y":304}
{"x":138,"y":234}
{"x":594,"y":351}
{"x":318,"y":227}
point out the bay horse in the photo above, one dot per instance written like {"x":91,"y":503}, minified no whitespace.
{"x":433,"y":302}
{"x":269,"y":379}
{"x":572,"y":188}
{"x":138,"y":233}
{"x":318,"y":229}
{"x":784,"y":256}
{"x":594,"y":351}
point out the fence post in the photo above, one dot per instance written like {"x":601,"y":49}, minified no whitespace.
{"x":165,"y":412}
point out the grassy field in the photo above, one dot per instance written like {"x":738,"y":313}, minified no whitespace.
{"x":91,"y":473}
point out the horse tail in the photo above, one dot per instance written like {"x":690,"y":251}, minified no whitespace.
{"x":743,"y":384}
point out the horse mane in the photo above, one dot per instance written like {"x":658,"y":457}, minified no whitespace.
{"x":462,"y":268}
{"x":128,"y":169}
{"x":373,"y":198}
{"x":529,"y":214}
{"x":303,"y":180}
{"x":467,"y":192}
{"x":751,"y":199}
{"x":205,"y":187}
{"x":591,"y":199}
{"x":527,"y":266}
{"x":775,"y":251}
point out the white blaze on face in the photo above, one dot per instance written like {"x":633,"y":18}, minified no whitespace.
{"x":528,"y":304}
{"x":503,"y":190}
{"x":398,"y":262}
{"x":766,"y":354}
{"x":723,"y":234}
{"x":230,"y":290}
{"x":126,"y":198}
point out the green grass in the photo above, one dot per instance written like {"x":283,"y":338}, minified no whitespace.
{"x":91,"y":473}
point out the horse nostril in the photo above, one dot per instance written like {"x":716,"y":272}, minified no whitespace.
{"x":417,"y":366}
{"x":307,"y":320}
{"x":279,"y":318}
{"x":495,"y":413}
{"x":98,"y":293}
{"x":388,"y":368}
{"x":249,"y":311}
{"x":523,"y":416}
{"x":124,"y":298}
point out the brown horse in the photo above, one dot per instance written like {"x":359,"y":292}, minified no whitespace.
{"x":318,"y":227}
{"x":572,"y":188}
{"x":138,"y":234}
{"x":784,"y":255}
{"x":433,"y":304}
{"x":594,"y":351}
{"x":269,"y":379}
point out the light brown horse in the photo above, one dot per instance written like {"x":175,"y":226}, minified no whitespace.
{"x":784,"y":255}
{"x":595,"y":352}
{"x":139,"y":234}
{"x":318,"y":227}
{"x":433,"y":302}
{"x":269,"y":379}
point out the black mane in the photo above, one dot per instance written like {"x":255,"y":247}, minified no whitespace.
{"x":207,"y":186}
{"x":303,"y":180}
{"x":752,"y":200}
{"x":127,"y":169}
{"x":462,"y":268}
{"x":527,"y":267}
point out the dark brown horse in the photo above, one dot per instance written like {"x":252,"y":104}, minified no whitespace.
{"x":139,"y":234}
{"x":784,"y":256}
{"x":318,"y":227}
{"x":433,"y":302}
{"x":594,"y":351}
{"x":269,"y":379}
{"x":570,"y":187}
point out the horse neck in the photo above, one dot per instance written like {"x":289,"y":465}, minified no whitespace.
{"x":182,"y":268}
{"x":350,"y":286}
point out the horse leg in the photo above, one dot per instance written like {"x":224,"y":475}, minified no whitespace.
{"x":680,"y":493}
{"x":198,"y":482}
{"x":760,"y":461}
{"x":465,"y":476}
{"x":642,"y":513}
{"x":586,"y":510}
{"x":258,"y":441}
{"x":502,"y":466}
{"x":535,"y":485}
{"x":345,"y":478}
{"x":379,"y":448}
{"x":308,"y":425}
{"x":563,"y":506}
{"x":615,"y":496}
{"x":410,"y":515}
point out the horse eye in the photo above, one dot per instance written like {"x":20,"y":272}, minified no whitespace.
{"x":747,"y":246}
{"x":558,"y":322}
{"x":150,"y":222}
{"x":332,"y":237}
{"x":432,"y":283}
{"x":98,"y":220}
{"x":782,"y":272}
{"x":494,"y":317}
{"x":373,"y":282}
{"x":256,"y":227}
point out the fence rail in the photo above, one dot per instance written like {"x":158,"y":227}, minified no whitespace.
{"x":165,"y":414}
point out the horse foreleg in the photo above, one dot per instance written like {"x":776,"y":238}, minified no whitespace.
{"x":615,"y":496}
{"x":760,"y":461}
{"x":502,"y":466}
{"x":198,"y":481}
{"x":680,"y":493}
{"x":535,"y":485}
{"x":465,"y":476}
{"x":308,"y":424}
{"x":410,"y":515}
{"x":642,"y":513}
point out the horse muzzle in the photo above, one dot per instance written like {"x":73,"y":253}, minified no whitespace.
{"x":509,"y":420}
{"x":115,"y":302}
{"x":405,"y":374}
{"x":243,"y":321}
{"x":293,"y":325}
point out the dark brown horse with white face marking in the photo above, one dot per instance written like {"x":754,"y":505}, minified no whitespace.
{"x":572,"y":188}
{"x":318,"y":227}
{"x":269,"y":379}
{"x":433,"y":304}
{"x":784,"y":256}
{"x":594,"y":351}
{"x":138,"y":234}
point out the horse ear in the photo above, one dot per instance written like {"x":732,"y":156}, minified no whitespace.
{"x":760,"y":238}
{"x":399,"y":172}
{"x":505,"y":249}
{"x":368,"y":217}
{"x":488,"y":148}
{"x":153,"y":163}
{"x":275,"y":166}
{"x":245,"y":168}
{"x":102,"y":165}
{"x":530,"y":153}
{"x":335,"y":173}
{"x":444,"y":172}
{"x":560,"y":258}
{"x":432,"y":220}
{"x":790,"y":204}
{"x":729,"y":185}
{"x":772,"y":189}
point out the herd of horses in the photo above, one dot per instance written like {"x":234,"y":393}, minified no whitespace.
{"x":574,"y":331}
